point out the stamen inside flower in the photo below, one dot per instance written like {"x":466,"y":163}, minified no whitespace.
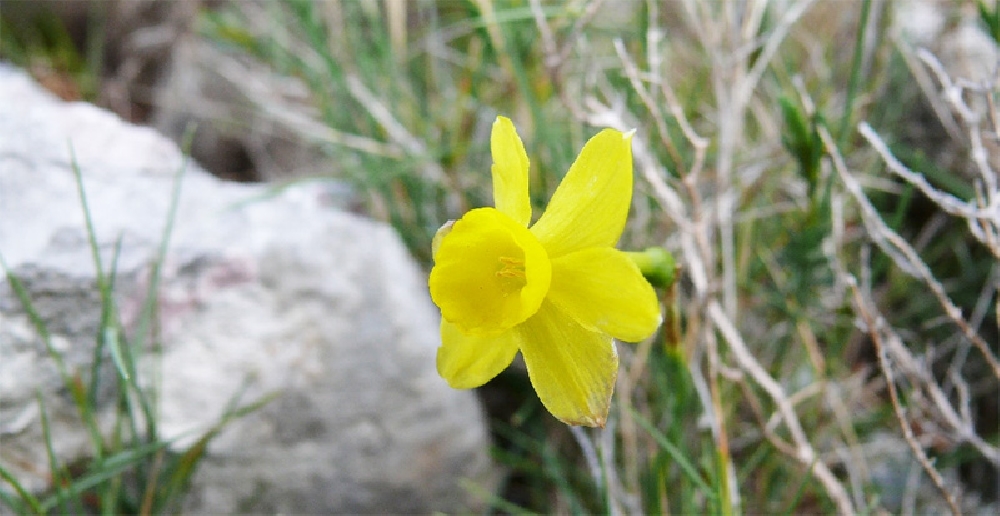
{"x":511,"y":274}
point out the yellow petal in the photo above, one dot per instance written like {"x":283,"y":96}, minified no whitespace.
{"x":589,"y":207}
{"x":602,"y":289}
{"x":510,"y":172}
{"x":467,"y":361}
{"x":490,"y":273}
{"x":572,"y":369}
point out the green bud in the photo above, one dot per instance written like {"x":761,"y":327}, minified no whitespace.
{"x":657,"y":266}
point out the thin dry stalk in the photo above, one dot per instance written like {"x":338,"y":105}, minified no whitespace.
{"x":947,"y":202}
{"x":877,"y":329}
{"x":632,"y":72}
{"x":381,"y":113}
{"x":804,"y":452}
{"x":906,"y":258}
{"x":589,"y":453}
{"x":896,"y":247}
{"x":734,"y":85}
{"x":873,"y":326}
{"x":913,"y":262}
{"x":695,"y":246}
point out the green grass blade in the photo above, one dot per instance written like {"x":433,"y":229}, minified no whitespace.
{"x":36,"y":321}
{"x":149,"y":305}
{"x":60,"y":478}
{"x":676,"y":454}
{"x":799,"y":491}
{"x":95,"y":250}
{"x":179,"y":475}
{"x":86,"y":398}
{"x":497,"y":503}
{"x":852,"y":85}
{"x":109,"y":468}
{"x":110,"y":335}
{"x":107,"y":314}
{"x":27,"y":500}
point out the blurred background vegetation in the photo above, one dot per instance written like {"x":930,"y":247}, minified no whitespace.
{"x":743,"y":111}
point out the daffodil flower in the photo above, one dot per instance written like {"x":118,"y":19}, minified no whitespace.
{"x":558,"y":290}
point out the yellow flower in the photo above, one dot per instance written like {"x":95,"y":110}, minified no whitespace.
{"x":558,"y":291}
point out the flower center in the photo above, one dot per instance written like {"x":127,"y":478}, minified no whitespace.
{"x":490,"y":273}
{"x":511,"y":274}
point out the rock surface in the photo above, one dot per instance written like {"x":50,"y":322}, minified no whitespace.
{"x":262,"y":292}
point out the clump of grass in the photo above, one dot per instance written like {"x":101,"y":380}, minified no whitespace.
{"x":131,"y":468}
{"x":36,"y":39}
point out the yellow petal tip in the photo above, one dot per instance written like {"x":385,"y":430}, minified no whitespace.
{"x":595,"y":421}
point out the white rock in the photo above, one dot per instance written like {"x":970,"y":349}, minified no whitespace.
{"x":260,"y":294}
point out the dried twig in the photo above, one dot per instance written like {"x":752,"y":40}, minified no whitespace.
{"x":377,"y":109}
{"x":947,"y":202}
{"x":903,"y":254}
{"x":873,"y":327}
{"x":907,"y":259}
{"x":804,"y":451}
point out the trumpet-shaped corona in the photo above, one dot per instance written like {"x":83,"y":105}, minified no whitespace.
{"x":490,"y":273}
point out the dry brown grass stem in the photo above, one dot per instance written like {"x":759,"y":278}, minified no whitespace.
{"x":947,"y":202}
{"x":734,"y":85}
{"x":556,"y":56}
{"x":986,"y":230}
{"x":873,"y":326}
{"x":911,"y":260}
{"x":397,"y":132}
{"x":905,"y":257}
{"x":632,"y":72}
{"x":311,"y":130}
{"x":804,"y":452}
{"x":927,"y":87}
{"x":276,"y":110}
{"x":877,"y":330}
{"x":695,"y":245}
